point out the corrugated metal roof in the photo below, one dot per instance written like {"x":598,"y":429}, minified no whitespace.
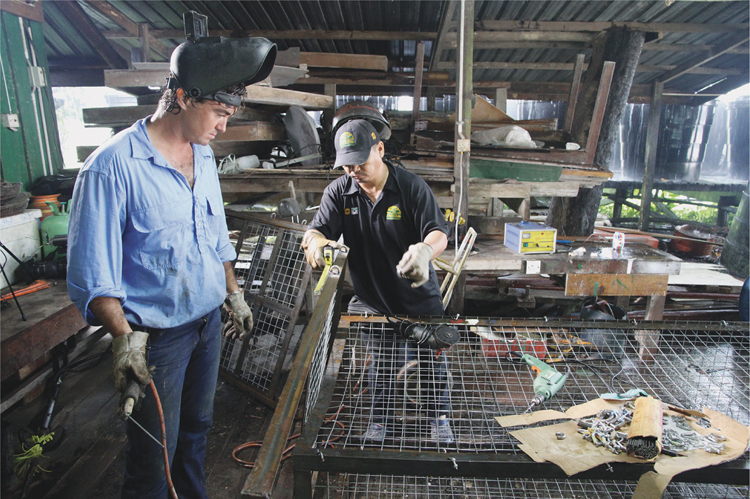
{"x":67,"y":47}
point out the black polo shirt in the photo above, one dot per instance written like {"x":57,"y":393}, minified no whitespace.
{"x":378,"y":234}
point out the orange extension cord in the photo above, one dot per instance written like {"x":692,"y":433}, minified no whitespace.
{"x":172,"y":491}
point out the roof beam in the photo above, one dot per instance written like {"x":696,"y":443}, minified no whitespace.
{"x":704,"y":57}
{"x":110,"y":12}
{"x":306,"y":34}
{"x":601,"y":26}
{"x":446,"y":24}
{"x":569,"y":66}
{"x":75,"y":14}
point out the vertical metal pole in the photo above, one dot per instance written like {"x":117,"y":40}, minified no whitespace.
{"x":652,"y":141}
{"x":464,"y":94}
{"x":418,"y":74}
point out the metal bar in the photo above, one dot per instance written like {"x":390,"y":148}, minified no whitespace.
{"x":261,"y":480}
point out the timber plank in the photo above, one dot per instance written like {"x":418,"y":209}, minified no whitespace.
{"x":352,"y":61}
{"x":127,"y":115}
{"x":24,"y":342}
{"x":285,"y":98}
{"x":615,"y":285}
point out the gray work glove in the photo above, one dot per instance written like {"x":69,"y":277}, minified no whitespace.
{"x":415,"y":264}
{"x":313,"y":243}
{"x":242,"y":316}
{"x":129,"y":352}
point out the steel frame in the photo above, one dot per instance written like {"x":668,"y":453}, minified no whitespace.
{"x":672,"y":343}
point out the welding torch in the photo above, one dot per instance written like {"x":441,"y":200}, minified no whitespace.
{"x":548,"y":380}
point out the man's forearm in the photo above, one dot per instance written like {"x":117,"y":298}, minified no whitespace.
{"x":109,"y":312}
{"x":232,"y":285}
{"x":438,"y":240}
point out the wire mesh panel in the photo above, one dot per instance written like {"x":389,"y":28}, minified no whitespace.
{"x":320,"y":358}
{"x":685,"y":367}
{"x":271,"y":269}
{"x":689,"y":365}
{"x":352,"y":485}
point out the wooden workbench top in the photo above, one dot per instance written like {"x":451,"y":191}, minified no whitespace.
{"x":51,"y":319}
{"x":491,"y":256}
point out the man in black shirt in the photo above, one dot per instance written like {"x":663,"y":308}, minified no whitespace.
{"x":394,"y":228}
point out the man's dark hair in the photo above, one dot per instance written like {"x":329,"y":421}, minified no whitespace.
{"x":168,"y":99}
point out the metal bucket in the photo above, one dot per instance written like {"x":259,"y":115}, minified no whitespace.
{"x":737,"y":245}
{"x":683,"y":136}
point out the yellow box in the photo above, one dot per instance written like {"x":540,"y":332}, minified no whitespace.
{"x":530,"y":237}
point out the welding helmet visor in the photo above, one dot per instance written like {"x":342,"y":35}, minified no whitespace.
{"x":206,"y":67}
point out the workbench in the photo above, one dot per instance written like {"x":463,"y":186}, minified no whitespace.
{"x":25,"y":350}
{"x":637,"y":270}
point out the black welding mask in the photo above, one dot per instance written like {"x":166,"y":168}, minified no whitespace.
{"x":209,"y":65}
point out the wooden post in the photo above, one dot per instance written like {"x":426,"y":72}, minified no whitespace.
{"x":418,"y":74}
{"x":575,"y":87}
{"x":464,"y":77}
{"x":501,"y":99}
{"x":652,"y":141}
{"x":145,"y":43}
{"x":431,"y":95}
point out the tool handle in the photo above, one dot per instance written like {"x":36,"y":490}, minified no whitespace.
{"x":128,"y":399}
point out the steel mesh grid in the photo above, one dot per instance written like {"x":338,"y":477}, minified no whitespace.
{"x":318,"y":365}
{"x":264,"y":348}
{"x":689,"y":368}
{"x":346,"y":485}
{"x":286,"y":275}
{"x":253,"y":256}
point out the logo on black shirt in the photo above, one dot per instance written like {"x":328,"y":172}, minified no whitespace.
{"x":393,"y":213}
{"x":351,"y":211}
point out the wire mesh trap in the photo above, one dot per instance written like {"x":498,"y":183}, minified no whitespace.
{"x":271,"y":270}
{"x":360,"y":486}
{"x":689,"y":365}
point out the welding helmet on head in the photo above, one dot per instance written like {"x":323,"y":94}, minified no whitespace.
{"x":359,"y":110}
{"x":209,"y":65}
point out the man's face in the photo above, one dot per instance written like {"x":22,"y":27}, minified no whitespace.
{"x":205,"y":120}
{"x":367,"y":174}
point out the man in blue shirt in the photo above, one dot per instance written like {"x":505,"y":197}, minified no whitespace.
{"x":394,"y":228}
{"x":149,"y":258}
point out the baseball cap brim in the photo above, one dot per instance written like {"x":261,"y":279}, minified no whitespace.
{"x":351,"y":158}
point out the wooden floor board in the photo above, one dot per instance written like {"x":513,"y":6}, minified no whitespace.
{"x":90,"y":461}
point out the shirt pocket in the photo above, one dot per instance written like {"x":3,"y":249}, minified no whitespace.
{"x":163,"y":235}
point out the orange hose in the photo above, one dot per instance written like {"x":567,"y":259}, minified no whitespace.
{"x":172,"y":491}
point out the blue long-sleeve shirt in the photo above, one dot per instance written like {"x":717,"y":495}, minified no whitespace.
{"x":140,"y":234}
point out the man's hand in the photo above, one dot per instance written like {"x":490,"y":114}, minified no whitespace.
{"x":313,"y":243}
{"x":129,"y":351}
{"x":242,"y":316}
{"x":415,"y":264}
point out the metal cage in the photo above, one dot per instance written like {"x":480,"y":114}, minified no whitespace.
{"x":690,"y":365}
{"x":272,"y":271}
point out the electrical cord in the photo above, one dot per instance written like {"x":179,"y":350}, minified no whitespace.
{"x":172,"y":491}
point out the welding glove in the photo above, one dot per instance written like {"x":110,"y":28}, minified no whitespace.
{"x":129,"y":352}
{"x":313,"y":243}
{"x":242,"y":316}
{"x":415,"y":264}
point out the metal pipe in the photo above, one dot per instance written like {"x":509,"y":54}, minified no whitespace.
{"x":33,"y":99}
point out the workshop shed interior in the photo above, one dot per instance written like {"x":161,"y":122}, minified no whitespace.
{"x":591,"y":158}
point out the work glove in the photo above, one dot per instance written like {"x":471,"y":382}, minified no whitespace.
{"x":242,"y":316}
{"x":313,"y":243}
{"x":129,"y":352}
{"x":415,"y":264}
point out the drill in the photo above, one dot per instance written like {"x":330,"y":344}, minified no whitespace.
{"x":547,"y":382}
